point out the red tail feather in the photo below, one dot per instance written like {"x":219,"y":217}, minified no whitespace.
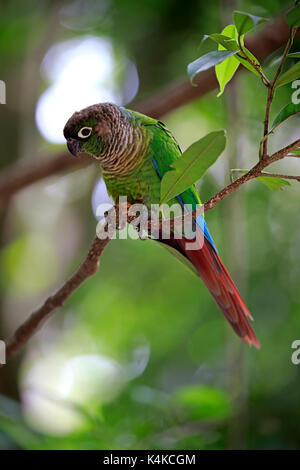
{"x":218,"y":281}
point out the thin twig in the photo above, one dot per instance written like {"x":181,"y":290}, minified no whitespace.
{"x":271,"y":87}
{"x":88,"y":268}
{"x":253,"y":63}
{"x":253,"y":173}
{"x":276,"y":175}
{"x":264,"y":151}
{"x":264,"y":173}
{"x":284,"y":56}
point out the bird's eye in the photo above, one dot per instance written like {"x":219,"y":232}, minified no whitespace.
{"x":84,"y":132}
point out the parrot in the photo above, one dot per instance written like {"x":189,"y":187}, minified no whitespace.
{"x":134,"y":152}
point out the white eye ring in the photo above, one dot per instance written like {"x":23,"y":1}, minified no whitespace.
{"x":85,"y":132}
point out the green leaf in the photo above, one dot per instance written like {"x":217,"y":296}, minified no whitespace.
{"x":244,"y":22}
{"x":226,"y":40}
{"x":292,"y":74}
{"x":207,"y":61}
{"x":296,"y":151}
{"x":294,"y":55}
{"x":246,"y":64}
{"x":228,"y":67}
{"x":203,"y":403}
{"x":293,"y":17}
{"x":288,"y":111}
{"x":229,"y":43}
{"x":192,"y":165}
{"x":273,"y":182}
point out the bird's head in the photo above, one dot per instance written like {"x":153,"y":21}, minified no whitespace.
{"x":91,"y":129}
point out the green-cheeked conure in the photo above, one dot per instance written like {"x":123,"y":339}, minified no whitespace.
{"x":134,"y":152}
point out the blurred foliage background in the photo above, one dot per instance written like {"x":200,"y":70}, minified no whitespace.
{"x":140,"y":356}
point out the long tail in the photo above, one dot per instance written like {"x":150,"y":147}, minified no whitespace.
{"x":218,"y":281}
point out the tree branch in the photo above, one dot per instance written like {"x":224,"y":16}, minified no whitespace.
{"x":88,"y":267}
{"x":114,"y":218}
{"x":91,"y":263}
{"x":16,"y":179}
{"x":253,"y":173}
{"x":271,"y":87}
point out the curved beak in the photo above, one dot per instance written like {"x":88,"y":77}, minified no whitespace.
{"x":74,"y":147}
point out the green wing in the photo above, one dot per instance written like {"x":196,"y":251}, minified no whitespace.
{"x":165,"y":151}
